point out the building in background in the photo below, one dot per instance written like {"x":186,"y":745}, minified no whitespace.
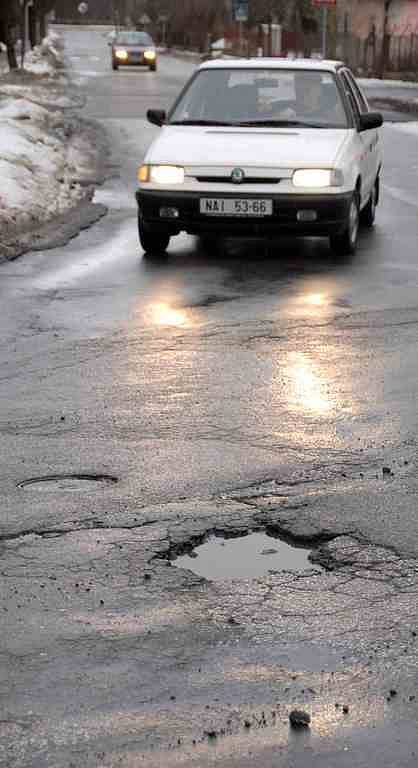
{"x":374,"y":36}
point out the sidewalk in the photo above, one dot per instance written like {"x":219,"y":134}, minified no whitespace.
{"x":49,"y":157}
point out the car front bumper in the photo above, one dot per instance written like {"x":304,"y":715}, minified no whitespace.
{"x":134,"y":60}
{"x":331,"y":214}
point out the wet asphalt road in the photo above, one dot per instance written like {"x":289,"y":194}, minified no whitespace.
{"x":259,"y":387}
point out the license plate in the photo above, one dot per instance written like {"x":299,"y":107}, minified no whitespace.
{"x":218,"y":206}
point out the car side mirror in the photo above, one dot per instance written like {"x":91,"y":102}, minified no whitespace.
{"x":156,"y":116}
{"x":370,"y":120}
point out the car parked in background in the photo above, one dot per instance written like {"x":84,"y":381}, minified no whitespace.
{"x":262,"y":147}
{"x":131,"y":48}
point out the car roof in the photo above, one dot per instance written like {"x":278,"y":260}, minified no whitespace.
{"x":314,"y":65}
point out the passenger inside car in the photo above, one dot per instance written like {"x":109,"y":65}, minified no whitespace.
{"x":315,"y":99}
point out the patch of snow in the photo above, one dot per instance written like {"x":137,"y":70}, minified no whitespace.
{"x":38,"y":94}
{"x":411,"y":128}
{"x":376,"y":83}
{"x":219,"y":44}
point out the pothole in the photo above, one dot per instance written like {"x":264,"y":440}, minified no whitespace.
{"x":246,"y":557}
{"x":68,"y":482}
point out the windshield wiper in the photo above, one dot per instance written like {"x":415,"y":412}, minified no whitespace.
{"x":200,"y":122}
{"x":279,"y":124}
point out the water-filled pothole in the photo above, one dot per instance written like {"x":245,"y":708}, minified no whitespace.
{"x":246,"y":557}
{"x":68,"y":482}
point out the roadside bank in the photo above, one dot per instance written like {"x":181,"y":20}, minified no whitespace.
{"x":50,"y":158}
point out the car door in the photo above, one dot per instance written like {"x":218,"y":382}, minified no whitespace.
{"x":370,"y":151}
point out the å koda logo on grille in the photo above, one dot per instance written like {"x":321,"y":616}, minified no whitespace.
{"x":237,"y":176}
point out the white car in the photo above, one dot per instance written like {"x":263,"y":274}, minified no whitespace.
{"x":262,"y":147}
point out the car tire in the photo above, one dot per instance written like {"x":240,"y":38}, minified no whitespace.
{"x":345,"y":244}
{"x":368,"y":214}
{"x":153,"y":68}
{"x":114,"y":66}
{"x":153,"y":243}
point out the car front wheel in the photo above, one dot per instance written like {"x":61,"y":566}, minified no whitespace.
{"x":114,"y":66}
{"x":153,"y":243}
{"x":368,"y":214}
{"x":346,"y":243}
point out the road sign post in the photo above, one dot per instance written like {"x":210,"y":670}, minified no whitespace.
{"x":324,"y":5}
{"x":240,"y":15}
{"x":163,"y":18}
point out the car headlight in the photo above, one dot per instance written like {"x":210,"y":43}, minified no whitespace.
{"x":161,"y":174}
{"x":149,"y":55}
{"x":317,"y":178}
{"x":120,"y":54}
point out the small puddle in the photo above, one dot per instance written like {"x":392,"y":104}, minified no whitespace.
{"x":246,"y":557}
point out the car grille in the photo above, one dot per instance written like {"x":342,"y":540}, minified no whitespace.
{"x":228,"y":180}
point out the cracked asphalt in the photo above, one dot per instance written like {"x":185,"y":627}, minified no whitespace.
{"x":258,"y":387}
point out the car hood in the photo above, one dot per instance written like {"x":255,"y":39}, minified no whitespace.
{"x":271,"y":147}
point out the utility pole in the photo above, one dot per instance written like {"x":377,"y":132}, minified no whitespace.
{"x":25,"y":42}
{"x":324,"y":30}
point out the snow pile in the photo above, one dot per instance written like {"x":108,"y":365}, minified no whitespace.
{"x":46,"y":58}
{"x":49,"y":157}
{"x":39,"y":159}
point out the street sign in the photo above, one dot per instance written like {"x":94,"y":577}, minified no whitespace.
{"x":240,"y":10}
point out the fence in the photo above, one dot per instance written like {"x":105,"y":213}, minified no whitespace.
{"x":365,"y":55}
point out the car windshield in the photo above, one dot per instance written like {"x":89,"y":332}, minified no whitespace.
{"x":133,"y":38}
{"x":255,"y":96}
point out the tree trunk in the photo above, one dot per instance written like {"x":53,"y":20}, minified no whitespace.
{"x":32,"y":30}
{"x":5,"y":36}
{"x":11,"y":56}
{"x":42,"y":26}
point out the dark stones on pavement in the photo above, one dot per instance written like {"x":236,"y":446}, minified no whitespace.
{"x":299,"y":719}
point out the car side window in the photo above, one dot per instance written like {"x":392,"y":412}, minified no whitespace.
{"x":350,"y":95}
{"x":361,"y":99}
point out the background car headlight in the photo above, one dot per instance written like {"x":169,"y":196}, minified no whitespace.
{"x":317,"y":178}
{"x":161,"y":174}
{"x":121,"y":54}
{"x":149,"y":55}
